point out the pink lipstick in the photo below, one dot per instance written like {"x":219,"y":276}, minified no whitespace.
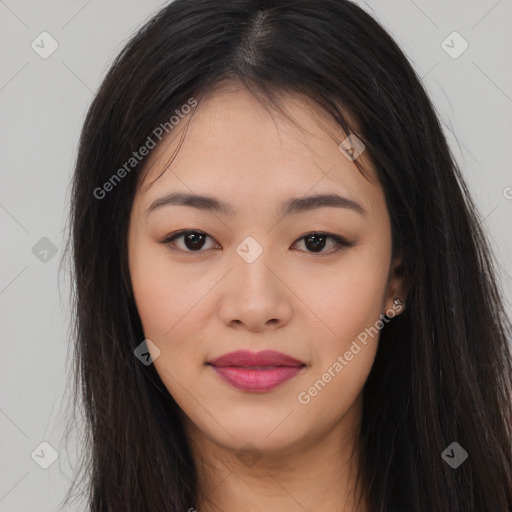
{"x":256,"y":372}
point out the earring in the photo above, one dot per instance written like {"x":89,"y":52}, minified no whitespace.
{"x":396,"y":303}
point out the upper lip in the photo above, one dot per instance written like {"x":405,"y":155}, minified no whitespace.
{"x":245,"y":358}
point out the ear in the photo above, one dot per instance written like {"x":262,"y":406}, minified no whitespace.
{"x":396,"y":289}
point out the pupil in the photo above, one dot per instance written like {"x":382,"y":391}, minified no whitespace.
{"x":194,"y":240}
{"x":317,"y":247}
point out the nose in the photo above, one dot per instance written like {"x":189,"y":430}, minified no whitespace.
{"x":255,"y":296}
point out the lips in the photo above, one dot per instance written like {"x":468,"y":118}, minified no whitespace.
{"x":256,"y":372}
{"x":244,"y":358}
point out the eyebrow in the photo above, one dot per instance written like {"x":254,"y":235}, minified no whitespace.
{"x":290,"y":206}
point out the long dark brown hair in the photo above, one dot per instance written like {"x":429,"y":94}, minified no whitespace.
{"x":443,"y":369}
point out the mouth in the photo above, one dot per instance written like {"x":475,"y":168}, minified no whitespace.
{"x":263,"y":359}
{"x":256,"y":372}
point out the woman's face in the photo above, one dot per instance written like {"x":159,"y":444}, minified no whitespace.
{"x":252,"y":276}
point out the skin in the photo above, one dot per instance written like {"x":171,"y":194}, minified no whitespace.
{"x":195,"y":306}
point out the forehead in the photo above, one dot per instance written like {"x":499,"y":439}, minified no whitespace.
{"x":231,"y":141}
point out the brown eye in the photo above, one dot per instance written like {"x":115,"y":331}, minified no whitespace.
{"x":193,"y":241}
{"x":317,"y":241}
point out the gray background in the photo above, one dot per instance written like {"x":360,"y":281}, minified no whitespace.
{"x":42,"y":105}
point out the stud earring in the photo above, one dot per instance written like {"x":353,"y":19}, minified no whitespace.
{"x":397,"y":302}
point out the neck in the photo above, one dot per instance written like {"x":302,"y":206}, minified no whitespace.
{"x":316,"y":476}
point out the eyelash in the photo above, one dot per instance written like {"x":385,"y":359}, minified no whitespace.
{"x":340,"y":242}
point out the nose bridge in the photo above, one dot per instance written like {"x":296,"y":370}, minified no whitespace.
{"x":254,"y":262}
{"x":255,"y":296}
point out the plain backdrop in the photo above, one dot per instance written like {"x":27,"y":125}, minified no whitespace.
{"x":43,"y":102}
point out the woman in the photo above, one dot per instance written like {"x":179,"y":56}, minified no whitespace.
{"x":284,"y":297}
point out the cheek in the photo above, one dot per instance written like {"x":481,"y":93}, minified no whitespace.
{"x":330,"y":393}
{"x":169,"y":305}
{"x":346,"y":299}
{"x":166,"y":296}
{"x":345,"y":343}
{"x":349,"y":304}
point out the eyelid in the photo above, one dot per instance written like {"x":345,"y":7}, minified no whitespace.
{"x":340,"y":241}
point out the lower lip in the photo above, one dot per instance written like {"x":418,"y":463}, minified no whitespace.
{"x":256,"y":380}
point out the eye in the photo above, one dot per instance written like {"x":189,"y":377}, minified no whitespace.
{"x":193,"y":240}
{"x":315,"y":242}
